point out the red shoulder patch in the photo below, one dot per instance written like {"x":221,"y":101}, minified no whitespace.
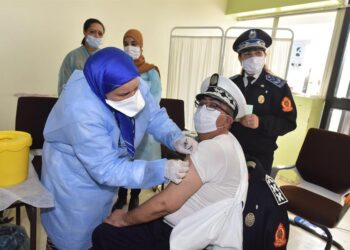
{"x":280,"y":236}
{"x":347,"y":200}
{"x":286,"y":104}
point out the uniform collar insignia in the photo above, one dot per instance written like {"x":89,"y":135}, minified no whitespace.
{"x":276,"y":191}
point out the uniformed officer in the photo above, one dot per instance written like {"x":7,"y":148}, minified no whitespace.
{"x":265,"y":217}
{"x":273,"y":109}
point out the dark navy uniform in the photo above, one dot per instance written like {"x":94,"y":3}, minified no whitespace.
{"x":274,"y":105}
{"x":270,"y":96}
{"x":265,"y":217}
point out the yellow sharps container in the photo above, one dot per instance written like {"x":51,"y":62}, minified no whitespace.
{"x":14,"y":156}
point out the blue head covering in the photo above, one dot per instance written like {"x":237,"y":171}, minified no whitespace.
{"x":106,"y":70}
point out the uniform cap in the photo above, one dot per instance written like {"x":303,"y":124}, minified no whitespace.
{"x":225,"y":91}
{"x":252,"y":38}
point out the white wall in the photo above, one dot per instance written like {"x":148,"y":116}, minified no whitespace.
{"x":37,"y":34}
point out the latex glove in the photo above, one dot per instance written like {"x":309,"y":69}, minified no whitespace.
{"x":175,"y":170}
{"x":186,"y":145}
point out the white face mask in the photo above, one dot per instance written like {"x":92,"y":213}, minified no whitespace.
{"x":93,"y":41}
{"x":130,"y":106}
{"x":133,"y":51}
{"x":205,"y":120}
{"x":254,"y":65}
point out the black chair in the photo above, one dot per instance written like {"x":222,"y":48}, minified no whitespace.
{"x":31,"y":116}
{"x":176,"y":111}
{"x":323,"y":166}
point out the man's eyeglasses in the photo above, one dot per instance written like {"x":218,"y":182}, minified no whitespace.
{"x":210,"y":105}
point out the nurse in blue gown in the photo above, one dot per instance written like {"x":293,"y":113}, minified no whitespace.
{"x":90,"y":140}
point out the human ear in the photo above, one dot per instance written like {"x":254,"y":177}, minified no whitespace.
{"x":229,"y":120}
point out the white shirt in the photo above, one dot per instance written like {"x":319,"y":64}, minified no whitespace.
{"x":219,"y":163}
{"x":245,"y":80}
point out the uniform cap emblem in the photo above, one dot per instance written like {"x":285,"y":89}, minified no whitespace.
{"x":252,"y":34}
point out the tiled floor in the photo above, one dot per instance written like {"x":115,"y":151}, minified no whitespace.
{"x":299,"y":239}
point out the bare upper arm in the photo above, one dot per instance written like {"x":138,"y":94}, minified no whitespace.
{"x":175,"y":195}
{"x":167,"y":201}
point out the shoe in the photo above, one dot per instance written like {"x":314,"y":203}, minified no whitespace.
{"x":133,"y":203}
{"x":119,"y":204}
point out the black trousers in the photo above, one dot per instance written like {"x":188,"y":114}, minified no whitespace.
{"x":153,"y":235}
{"x":123,"y":192}
{"x":266,"y":159}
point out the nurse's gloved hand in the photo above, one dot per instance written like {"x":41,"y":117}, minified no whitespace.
{"x":175,"y":170}
{"x":186,"y":145}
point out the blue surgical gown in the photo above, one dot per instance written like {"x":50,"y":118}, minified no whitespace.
{"x":149,"y":149}
{"x":74,"y":60}
{"x":85,"y":160}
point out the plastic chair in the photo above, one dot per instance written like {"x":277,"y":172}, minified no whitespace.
{"x":31,"y":116}
{"x":323,"y":166}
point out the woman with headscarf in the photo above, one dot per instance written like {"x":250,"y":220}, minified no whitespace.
{"x":93,"y":32}
{"x":148,"y":149}
{"x":90,"y":140}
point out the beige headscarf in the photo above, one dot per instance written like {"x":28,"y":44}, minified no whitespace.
{"x":139,"y":62}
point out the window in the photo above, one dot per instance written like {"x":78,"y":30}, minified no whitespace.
{"x":312,"y":37}
{"x":336,"y":115}
{"x":343,"y":89}
{"x":263,"y":22}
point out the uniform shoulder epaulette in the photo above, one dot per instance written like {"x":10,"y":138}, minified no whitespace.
{"x":275,"y":80}
{"x":234,"y":77}
{"x":275,"y":190}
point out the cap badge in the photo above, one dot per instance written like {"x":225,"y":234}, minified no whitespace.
{"x":261,"y":99}
{"x":249,"y":219}
{"x":252,"y":34}
{"x":214,"y":79}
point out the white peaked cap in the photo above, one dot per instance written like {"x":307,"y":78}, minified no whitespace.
{"x":226,"y":91}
